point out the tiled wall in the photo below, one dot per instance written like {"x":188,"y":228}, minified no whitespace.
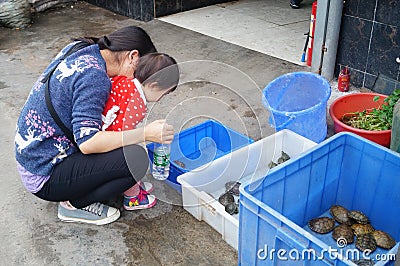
{"x":136,"y":9}
{"x":369,"y":43}
{"x":167,"y":7}
{"x":148,"y":9}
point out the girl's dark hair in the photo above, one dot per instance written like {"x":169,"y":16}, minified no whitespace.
{"x":125,"y":39}
{"x":160,"y":68}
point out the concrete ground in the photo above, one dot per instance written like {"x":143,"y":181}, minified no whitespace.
{"x":31,"y":233}
{"x":267,"y":26}
{"x":219,"y":80}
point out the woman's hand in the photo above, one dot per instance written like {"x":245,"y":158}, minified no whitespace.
{"x":159,"y":131}
{"x":104,"y":141}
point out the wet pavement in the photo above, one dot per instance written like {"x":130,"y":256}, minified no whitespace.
{"x":219,"y":80}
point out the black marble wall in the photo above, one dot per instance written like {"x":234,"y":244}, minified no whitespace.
{"x":167,"y":7}
{"x":148,"y":9}
{"x":369,"y":43}
{"x":136,"y":9}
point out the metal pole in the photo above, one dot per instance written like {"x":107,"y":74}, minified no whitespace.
{"x":319,"y":35}
{"x":332,"y":38}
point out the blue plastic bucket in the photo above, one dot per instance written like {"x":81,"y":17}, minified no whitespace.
{"x":298,"y":102}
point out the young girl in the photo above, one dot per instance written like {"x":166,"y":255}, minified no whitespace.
{"x":156,"y":75}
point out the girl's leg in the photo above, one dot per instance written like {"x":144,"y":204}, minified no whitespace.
{"x":86,"y":179}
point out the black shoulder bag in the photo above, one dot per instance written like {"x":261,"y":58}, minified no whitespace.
{"x":50,"y":106}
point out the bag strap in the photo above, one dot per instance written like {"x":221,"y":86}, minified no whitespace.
{"x":68,"y":133}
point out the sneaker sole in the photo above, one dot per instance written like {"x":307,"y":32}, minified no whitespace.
{"x":104,"y":221}
{"x":141,"y":207}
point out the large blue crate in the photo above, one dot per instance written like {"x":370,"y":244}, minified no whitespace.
{"x":198,"y":145}
{"x":345,"y":169}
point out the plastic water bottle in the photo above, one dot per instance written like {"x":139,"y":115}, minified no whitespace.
{"x":161,"y":162}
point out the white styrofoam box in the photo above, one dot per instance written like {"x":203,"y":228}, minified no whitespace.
{"x":201,"y":187}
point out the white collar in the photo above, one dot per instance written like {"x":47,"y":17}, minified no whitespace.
{"x":139,"y":88}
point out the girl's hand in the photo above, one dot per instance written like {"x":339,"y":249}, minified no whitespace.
{"x":159,"y":131}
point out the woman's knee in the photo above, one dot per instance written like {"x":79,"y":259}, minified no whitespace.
{"x":137,"y":160}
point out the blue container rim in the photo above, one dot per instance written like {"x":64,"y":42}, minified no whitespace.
{"x":290,"y":113}
{"x":208,"y":121}
{"x":342,"y":134}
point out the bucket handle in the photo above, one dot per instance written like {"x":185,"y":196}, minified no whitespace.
{"x":291,"y":118}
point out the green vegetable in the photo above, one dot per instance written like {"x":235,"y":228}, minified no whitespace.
{"x":376,"y":119}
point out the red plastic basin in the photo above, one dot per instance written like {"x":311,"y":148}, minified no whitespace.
{"x":358,"y":102}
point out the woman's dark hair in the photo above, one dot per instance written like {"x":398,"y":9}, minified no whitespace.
{"x":160,"y":68}
{"x":125,"y":39}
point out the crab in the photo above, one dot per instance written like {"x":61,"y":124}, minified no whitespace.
{"x":366,"y":242}
{"x":383,"y":239}
{"x":340,"y":214}
{"x":343,"y":231}
{"x":321,"y":225}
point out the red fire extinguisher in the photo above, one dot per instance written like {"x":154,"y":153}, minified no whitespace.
{"x":311,"y":35}
{"x":344,"y":79}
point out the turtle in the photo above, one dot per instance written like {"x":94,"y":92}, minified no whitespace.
{"x":383,"y":239}
{"x":340,"y":214}
{"x":361,"y":229}
{"x":272,"y":164}
{"x":363,"y":262}
{"x":359,"y":217}
{"x":343,"y":231}
{"x":321,"y":225}
{"x":232,"y":187}
{"x":366,"y":242}
{"x":284,"y":157}
{"x":180,"y":164}
{"x":226,"y":198}
{"x":232,"y":208}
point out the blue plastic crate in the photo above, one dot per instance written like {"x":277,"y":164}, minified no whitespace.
{"x":199,"y":145}
{"x":345,"y":169}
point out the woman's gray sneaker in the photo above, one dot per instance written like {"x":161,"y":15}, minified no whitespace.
{"x":95,"y":213}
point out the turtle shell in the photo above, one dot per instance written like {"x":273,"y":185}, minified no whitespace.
{"x":363,"y":262}
{"x":284,"y":157}
{"x":232,"y":187}
{"x":340,"y":214}
{"x":359,"y":217}
{"x":272,"y":164}
{"x":383,"y":239}
{"x":232,"y":208}
{"x":226,"y":198}
{"x":321,"y":225}
{"x":343,"y":231}
{"x":180,"y":164}
{"x":366,"y":241}
{"x":361,"y":229}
